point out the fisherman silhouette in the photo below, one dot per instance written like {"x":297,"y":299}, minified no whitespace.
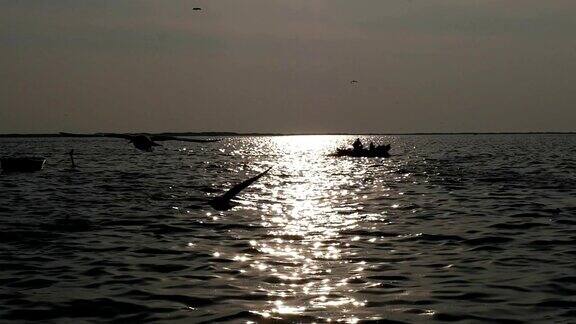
{"x":357,"y":145}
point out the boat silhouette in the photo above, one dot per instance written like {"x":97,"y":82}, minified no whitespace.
{"x":22,"y":164}
{"x":375,"y":151}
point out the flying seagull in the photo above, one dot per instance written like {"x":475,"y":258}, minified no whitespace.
{"x":224,"y":202}
{"x":196,"y":8}
{"x":143,"y":142}
{"x":353,"y":81}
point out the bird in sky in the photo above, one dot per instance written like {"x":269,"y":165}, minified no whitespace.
{"x":143,"y":142}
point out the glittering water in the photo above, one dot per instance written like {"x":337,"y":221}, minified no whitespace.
{"x":475,"y":228}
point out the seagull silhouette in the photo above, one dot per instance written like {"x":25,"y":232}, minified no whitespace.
{"x":224,"y":202}
{"x":143,"y":142}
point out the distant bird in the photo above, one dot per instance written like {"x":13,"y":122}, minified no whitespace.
{"x":353,"y":81}
{"x":143,"y":142}
{"x":224,"y":202}
{"x":73,"y":167}
{"x":196,"y":8}
{"x":71,"y":153}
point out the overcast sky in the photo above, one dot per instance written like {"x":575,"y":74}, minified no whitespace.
{"x":286,"y":65}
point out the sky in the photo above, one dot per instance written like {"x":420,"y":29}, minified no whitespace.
{"x":285,"y":66}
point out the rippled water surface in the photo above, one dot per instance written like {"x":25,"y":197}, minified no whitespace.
{"x":450,"y":228}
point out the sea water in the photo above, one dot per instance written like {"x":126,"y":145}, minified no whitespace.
{"x":478,"y":228}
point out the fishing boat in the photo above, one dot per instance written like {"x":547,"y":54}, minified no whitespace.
{"x":376,"y":151}
{"x":22,"y":164}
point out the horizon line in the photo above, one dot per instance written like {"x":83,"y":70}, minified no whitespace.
{"x":232,"y":134}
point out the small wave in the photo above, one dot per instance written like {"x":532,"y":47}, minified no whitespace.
{"x":389,"y":278}
{"x":182,"y":299}
{"x":454,"y":317}
{"x":488,"y":240}
{"x":517,"y":226}
{"x":32,"y":283}
{"x":163,"y":268}
{"x":83,"y":308}
{"x":252,"y":316}
{"x":557,"y":303}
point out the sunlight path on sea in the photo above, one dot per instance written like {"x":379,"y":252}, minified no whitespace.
{"x":307,"y":262}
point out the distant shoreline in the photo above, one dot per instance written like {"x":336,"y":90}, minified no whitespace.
{"x":234,"y":134}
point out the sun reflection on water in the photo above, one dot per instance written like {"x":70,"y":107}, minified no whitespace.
{"x":303,"y":255}
{"x":302,"y":258}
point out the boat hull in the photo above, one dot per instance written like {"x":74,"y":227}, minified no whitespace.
{"x":22,"y":164}
{"x":379,"y":151}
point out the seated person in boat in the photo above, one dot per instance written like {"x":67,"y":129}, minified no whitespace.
{"x":357,"y":145}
